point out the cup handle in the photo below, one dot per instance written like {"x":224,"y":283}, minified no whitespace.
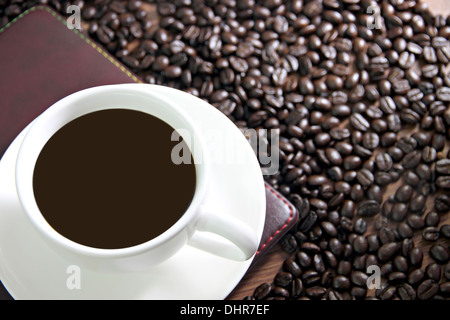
{"x":242,"y":241}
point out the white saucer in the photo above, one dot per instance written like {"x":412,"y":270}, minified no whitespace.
{"x":29,"y":269}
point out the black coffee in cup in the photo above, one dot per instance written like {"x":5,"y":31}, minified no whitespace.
{"x":107,"y":179}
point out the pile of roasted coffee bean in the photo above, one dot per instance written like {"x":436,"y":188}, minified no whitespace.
{"x":359,"y":92}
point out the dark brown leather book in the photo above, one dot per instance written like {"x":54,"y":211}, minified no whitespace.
{"x":43,"y":61}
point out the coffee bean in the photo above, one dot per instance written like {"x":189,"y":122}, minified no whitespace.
{"x":348,"y":251}
{"x":439,"y":42}
{"x":88,"y":12}
{"x":333,"y":156}
{"x":429,"y":54}
{"x":428,"y":154}
{"x":416,"y":222}
{"x":443,"y":182}
{"x":447,"y":271}
{"x":330,"y":259}
{"x":388,"y":138}
{"x":388,"y":250}
{"x":399,"y":211}
{"x":283,"y":278}
{"x":443,"y":93}
{"x":238,"y":64}
{"x":323,"y":104}
{"x":359,"y":122}
{"x":387,"y":105}
{"x":352,"y":162}
{"x":407,"y":144}
{"x":386,"y":235}
{"x":404,"y":193}
{"x":310,"y":277}
{"x":406,"y":292}
{"x":396,"y":277}
{"x":371,"y":140}
{"x":344,"y":267}
{"x":430,"y":71}
{"x":444,"y":288}
{"x":310,"y":247}
{"x":373,"y":243}
{"x":296,"y":288}
{"x":315,"y":292}
{"x":329,"y":52}
{"x":430,"y":234}
{"x":360,"y":245}
{"x":404,"y":230}
{"x":432,"y":219}
{"x":360,"y":226}
{"x":417,"y":204}
{"x":130,"y":61}
{"x":316,"y":180}
{"x":433,"y":271}
{"x":339,"y":133}
{"x":409,"y":116}
{"x":411,"y":178}
{"x":335,"y":246}
{"x":440,"y":253}
{"x":414,"y":94}
{"x":388,"y":292}
{"x":303,"y":259}
{"x":415,"y":276}
{"x":334,"y":295}
{"x":445,"y":231}
{"x":161,"y":62}
{"x":291,"y":266}
{"x":411,"y":159}
{"x":305,"y":65}
{"x":347,"y":209}
{"x":442,"y":203}
{"x":280,"y":292}
{"x":406,"y":60}
{"x":416,"y":257}
{"x":406,"y":246}
{"x":300,"y":237}
{"x":318,"y":263}
{"x":329,"y":228}
{"x":427,"y":289}
{"x":104,"y":34}
{"x":383,"y":178}
{"x":368,"y":208}
{"x":359,"y":262}
{"x":365,"y":177}
{"x":289,"y":243}
{"x":443,"y":166}
{"x":384,"y":161}
{"x":341,"y":283}
{"x":358,"y":278}
{"x":172,"y":72}
{"x":262,"y":291}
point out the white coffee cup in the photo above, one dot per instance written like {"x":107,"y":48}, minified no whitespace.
{"x":241,"y":241}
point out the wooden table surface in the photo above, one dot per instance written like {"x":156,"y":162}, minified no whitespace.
{"x":268,"y":266}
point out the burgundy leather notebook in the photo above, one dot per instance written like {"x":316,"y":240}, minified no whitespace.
{"x":43,"y":61}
